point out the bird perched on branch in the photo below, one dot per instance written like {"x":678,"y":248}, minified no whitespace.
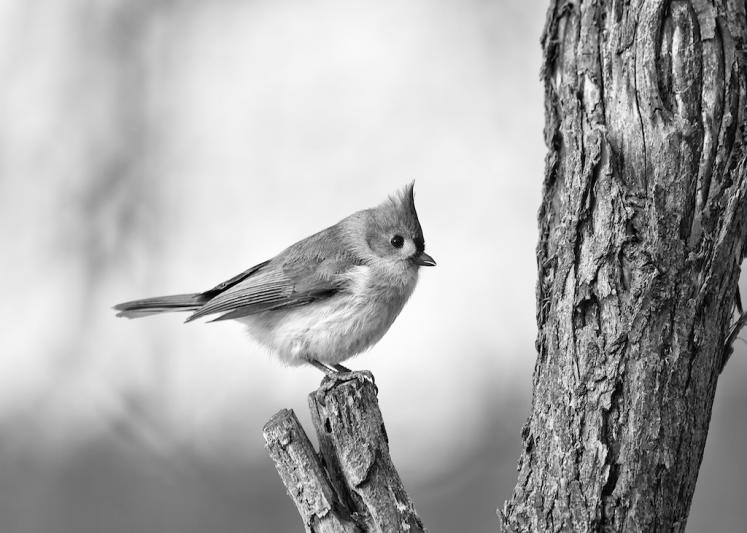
{"x":327,"y":297}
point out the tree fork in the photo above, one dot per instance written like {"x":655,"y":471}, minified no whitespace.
{"x":642,"y":226}
{"x":352,"y":485}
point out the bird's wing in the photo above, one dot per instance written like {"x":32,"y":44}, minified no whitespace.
{"x":298,"y":276}
{"x":221,"y":287}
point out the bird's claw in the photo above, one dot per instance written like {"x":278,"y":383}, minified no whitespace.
{"x":363,"y":376}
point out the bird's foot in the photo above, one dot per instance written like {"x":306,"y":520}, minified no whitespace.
{"x":337,"y":372}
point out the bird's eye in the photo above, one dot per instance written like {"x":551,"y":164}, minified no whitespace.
{"x":397,"y":241}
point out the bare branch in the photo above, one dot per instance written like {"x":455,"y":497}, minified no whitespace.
{"x":356,"y":484}
{"x":304,"y":477}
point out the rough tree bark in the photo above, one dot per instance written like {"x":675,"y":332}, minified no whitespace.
{"x":642,"y":225}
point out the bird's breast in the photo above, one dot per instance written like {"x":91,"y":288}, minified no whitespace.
{"x":336,"y":328}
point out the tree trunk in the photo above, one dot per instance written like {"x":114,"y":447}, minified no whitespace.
{"x":642,"y":227}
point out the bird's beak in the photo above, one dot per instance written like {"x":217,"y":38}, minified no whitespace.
{"x":424,"y":260}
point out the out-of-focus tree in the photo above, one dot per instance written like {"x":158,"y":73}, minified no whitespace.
{"x":642,"y":226}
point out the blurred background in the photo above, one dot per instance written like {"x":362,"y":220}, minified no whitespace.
{"x":158,"y":146}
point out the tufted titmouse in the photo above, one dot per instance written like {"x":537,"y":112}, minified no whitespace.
{"x":327,"y":297}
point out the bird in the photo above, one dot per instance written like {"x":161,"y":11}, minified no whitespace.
{"x":327,"y":297}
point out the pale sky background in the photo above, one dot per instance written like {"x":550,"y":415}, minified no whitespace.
{"x":152,"y":147}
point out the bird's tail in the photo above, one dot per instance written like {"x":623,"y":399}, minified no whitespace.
{"x":161,"y":304}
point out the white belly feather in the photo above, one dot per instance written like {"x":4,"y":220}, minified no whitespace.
{"x":336,"y":328}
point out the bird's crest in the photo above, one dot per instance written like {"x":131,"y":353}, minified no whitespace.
{"x":402,"y":203}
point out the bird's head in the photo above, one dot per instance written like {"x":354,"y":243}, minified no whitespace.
{"x":393,"y":233}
